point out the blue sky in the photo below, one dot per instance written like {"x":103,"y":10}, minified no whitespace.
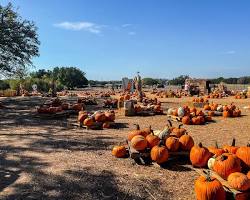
{"x":110,"y":39}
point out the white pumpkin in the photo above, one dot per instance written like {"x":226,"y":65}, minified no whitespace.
{"x":181,"y":112}
{"x":170,"y":111}
{"x":220,"y":108}
{"x":210,"y":163}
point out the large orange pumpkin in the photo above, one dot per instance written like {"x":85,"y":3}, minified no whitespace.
{"x":226,"y":164}
{"x":172,"y":144}
{"x":135,"y":132}
{"x":179,"y":131}
{"x":243,"y":153}
{"x":88,"y":122}
{"x":159,"y":154}
{"x":119,"y":151}
{"x":209,"y":188}
{"x":139,"y":143}
{"x":186,"y":142}
{"x":199,"y":156}
{"x":152,"y":140}
{"x":239,"y":181}
{"x":100,"y":117}
{"x":231,"y":148}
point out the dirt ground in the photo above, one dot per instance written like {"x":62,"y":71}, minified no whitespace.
{"x":48,"y":159}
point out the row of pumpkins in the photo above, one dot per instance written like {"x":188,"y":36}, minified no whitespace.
{"x":190,"y":115}
{"x":106,"y":118}
{"x":55,"y":109}
{"x":157,"y":142}
{"x":200,"y":100}
{"x":228,"y":162}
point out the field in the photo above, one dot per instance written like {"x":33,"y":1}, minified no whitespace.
{"x":49,"y":159}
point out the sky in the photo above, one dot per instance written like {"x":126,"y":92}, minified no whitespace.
{"x":111,"y":39}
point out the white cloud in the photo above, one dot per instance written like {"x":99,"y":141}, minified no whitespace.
{"x":132,"y":33}
{"x":78,"y":26}
{"x":126,"y":25}
{"x":229,"y":52}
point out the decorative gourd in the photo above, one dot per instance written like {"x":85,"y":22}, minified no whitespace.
{"x":179,"y":131}
{"x":186,"y":120}
{"x":119,"y":151}
{"x":210,"y":162}
{"x":239,"y":181}
{"x":220,"y":108}
{"x":170,"y":111}
{"x":152,"y":140}
{"x":139,"y":143}
{"x":172,"y":144}
{"x":199,"y":156}
{"x":209,"y":188}
{"x":186,"y":142}
{"x":216,"y":150}
{"x":88,"y":122}
{"x":243,"y":153}
{"x":181,"y":112}
{"x":232,"y":148}
{"x":226,"y":164}
{"x":159,"y":154}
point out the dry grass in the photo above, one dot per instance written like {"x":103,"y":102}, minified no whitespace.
{"x":46,"y":159}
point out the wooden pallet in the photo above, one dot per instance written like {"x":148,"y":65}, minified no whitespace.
{"x":232,"y":193}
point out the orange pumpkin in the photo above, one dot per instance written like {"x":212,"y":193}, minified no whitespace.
{"x":88,"y":122}
{"x":100,"y":117}
{"x":186,"y":120}
{"x":159,"y":154}
{"x":152,"y":140}
{"x":119,"y":151}
{"x":82,"y":116}
{"x":179,"y":131}
{"x":232,"y":148}
{"x":239,"y":181}
{"x":77,"y":107}
{"x":226,"y":164}
{"x":216,"y":150}
{"x":135,"y":132}
{"x":110,"y":116}
{"x":139,"y":143}
{"x":172,"y":144}
{"x":209,"y":188}
{"x":186,"y":142}
{"x":243,"y":153}
{"x":226,"y":113}
{"x":199,"y":156}
{"x":196,"y":121}
{"x":248,"y":174}
{"x":207,"y":107}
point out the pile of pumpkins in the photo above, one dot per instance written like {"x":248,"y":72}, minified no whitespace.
{"x":215,"y":95}
{"x":149,"y":105}
{"x":113,"y":103}
{"x":200,"y":100}
{"x":190,"y":116}
{"x":103,"y":118}
{"x":56,"y":105}
{"x":240,"y":96}
{"x":232,"y":163}
{"x":157,"y":143}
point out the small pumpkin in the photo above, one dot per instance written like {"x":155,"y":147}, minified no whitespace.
{"x":119,"y":151}
{"x":186,"y":120}
{"x":199,"y":155}
{"x":159,"y":154}
{"x":209,"y":188}
{"x":226,"y":164}
{"x":207,"y":107}
{"x":88,"y":122}
{"x":139,"y":143}
{"x":179,"y":131}
{"x":172,"y":144}
{"x":226,"y":113}
{"x":231,"y":148}
{"x":186,"y":142}
{"x":100,"y":117}
{"x":82,"y":116}
{"x":152,"y":140}
{"x":239,"y":181}
{"x":110,"y":116}
{"x":243,"y":153}
{"x":216,"y":150}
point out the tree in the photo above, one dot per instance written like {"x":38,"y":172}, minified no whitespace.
{"x":18,"y":42}
{"x":179,"y":80}
{"x":70,"y":77}
{"x":150,"y":81}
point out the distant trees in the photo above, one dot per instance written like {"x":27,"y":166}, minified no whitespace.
{"x":18,"y":42}
{"x":240,"y":80}
{"x":180,"y":80}
{"x":150,"y":81}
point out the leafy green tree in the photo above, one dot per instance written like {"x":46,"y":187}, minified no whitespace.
{"x":4,"y":85}
{"x":150,"y":81}
{"x":18,"y":42}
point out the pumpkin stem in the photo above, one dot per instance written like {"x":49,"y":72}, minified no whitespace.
{"x":208,"y":177}
{"x":180,"y":126}
{"x":137,"y":126}
{"x":248,"y":144}
{"x":200,"y":145}
{"x":233,"y":142}
{"x":170,"y":123}
{"x":216,"y":145}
